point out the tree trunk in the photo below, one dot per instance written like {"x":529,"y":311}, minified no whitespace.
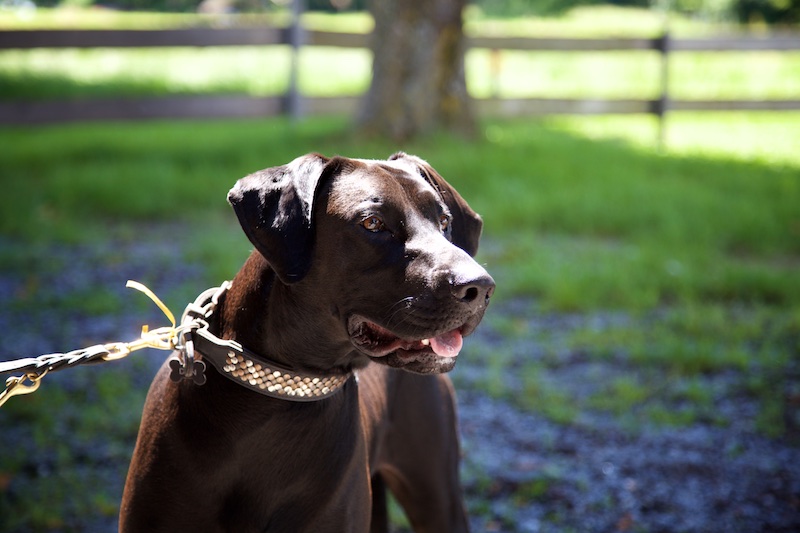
{"x":418,"y":82}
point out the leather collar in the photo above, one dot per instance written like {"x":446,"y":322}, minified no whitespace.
{"x":240,"y":365}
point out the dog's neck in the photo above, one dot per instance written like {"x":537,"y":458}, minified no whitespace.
{"x":248,"y":315}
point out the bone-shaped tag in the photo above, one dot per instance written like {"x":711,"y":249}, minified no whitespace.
{"x":179,"y":372}
{"x":176,"y":374}
{"x":199,"y":372}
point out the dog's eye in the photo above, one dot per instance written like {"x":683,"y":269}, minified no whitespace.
{"x":373,"y":223}
{"x":444,"y":222}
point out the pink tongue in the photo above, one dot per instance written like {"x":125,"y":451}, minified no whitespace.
{"x":447,"y":344}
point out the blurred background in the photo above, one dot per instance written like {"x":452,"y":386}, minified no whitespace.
{"x":637,"y":166}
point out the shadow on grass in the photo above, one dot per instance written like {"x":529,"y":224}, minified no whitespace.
{"x":46,"y":87}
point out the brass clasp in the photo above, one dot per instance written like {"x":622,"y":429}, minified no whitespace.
{"x":15,"y":386}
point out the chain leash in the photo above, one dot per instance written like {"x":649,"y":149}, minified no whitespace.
{"x":173,"y":337}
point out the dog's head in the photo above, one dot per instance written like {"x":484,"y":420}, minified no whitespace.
{"x":384,"y":246}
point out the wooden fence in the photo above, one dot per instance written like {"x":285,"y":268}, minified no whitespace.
{"x":293,"y":102}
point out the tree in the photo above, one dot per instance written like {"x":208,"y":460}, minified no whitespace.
{"x":418,"y":82}
{"x":769,"y":11}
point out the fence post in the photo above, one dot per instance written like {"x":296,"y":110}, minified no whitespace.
{"x":294,"y":100}
{"x":495,"y":68}
{"x":662,"y":104}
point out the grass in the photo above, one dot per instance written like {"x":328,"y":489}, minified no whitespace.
{"x":668,"y":229}
{"x":105,"y":73}
{"x":595,"y":21}
{"x":707,"y":232}
{"x":86,"y":19}
{"x":674,"y":353}
{"x":768,"y":139}
{"x":670,"y":368}
{"x":113,"y":73}
{"x":109,"y":406}
{"x":590,"y":21}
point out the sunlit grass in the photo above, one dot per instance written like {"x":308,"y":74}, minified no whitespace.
{"x":581,"y":223}
{"x":69,"y":73}
{"x":635,"y":74}
{"x":563,"y":74}
{"x":73,"y":73}
{"x":594,"y":21}
{"x":767,"y":137}
{"x":99,"y":18}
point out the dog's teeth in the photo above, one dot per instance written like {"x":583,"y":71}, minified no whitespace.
{"x":426,"y":342}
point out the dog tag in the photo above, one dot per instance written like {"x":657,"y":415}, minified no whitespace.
{"x":199,"y":372}
{"x":178,"y":371}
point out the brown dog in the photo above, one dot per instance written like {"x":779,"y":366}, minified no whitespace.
{"x":360,"y":267}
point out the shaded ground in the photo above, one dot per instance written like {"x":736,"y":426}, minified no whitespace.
{"x":535,"y":458}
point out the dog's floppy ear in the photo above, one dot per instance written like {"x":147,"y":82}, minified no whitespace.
{"x":274,"y":207}
{"x":467,"y":224}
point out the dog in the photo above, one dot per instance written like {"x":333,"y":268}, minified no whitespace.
{"x":363,"y":283}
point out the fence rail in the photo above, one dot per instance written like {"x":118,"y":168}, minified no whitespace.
{"x":199,"y":37}
{"x":243,"y":106}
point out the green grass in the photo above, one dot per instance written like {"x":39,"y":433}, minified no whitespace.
{"x":594,"y":21}
{"x":700,"y":339}
{"x":665,"y":365}
{"x":581,"y":215}
{"x":75,"y":18}
{"x":635,"y":74}
{"x":105,"y":73}
{"x":113,"y":73}
{"x":769,"y":139}
{"x":617,"y":227}
{"x":63,"y":490}
{"x":671,"y":367}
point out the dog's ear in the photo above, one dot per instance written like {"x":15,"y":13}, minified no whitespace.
{"x":467,"y":224}
{"x":274,"y":207}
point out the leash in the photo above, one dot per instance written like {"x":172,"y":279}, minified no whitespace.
{"x":189,"y":339}
{"x":35,"y":369}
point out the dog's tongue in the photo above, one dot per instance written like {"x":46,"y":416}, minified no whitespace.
{"x":447,"y":344}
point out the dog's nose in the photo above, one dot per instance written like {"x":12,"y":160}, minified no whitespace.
{"x":475,"y":292}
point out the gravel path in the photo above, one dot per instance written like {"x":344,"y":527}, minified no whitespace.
{"x":523,"y":472}
{"x":585,"y":478}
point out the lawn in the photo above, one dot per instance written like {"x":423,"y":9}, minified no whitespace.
{"x":669,"y":228}
{"x":622,"y":227}
{"x":103,"y":73}
{"x":697,"y":251}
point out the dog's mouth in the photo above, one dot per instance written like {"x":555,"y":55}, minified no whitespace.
{"x":378,"y":342}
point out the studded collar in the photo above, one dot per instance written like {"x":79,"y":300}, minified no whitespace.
{"x":240,"y":365}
